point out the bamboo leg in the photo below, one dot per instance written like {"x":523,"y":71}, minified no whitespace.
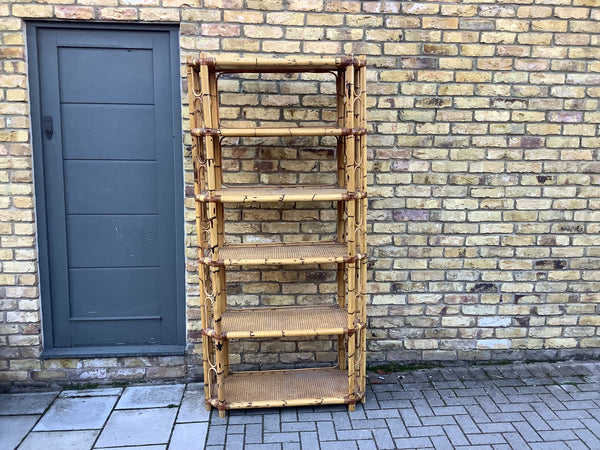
{"x":350,"y":233}
{"x":341,"y":292}
{"x":363,"y":225}
{"x":209,"y":97}
{"x":194,"y":106}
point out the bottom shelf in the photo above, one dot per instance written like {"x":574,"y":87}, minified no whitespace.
{"x":277,"y":388}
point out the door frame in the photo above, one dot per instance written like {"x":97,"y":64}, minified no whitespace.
{"x":49,"y":351}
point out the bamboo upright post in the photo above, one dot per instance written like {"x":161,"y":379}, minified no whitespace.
{"x":362,"y":204}
{"x":350,"y":233}
{"x":198,"y":159}
{"x":209,"y":98}
{"x":341,"y":221}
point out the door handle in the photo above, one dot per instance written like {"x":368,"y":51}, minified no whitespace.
{"x":48,"y":127}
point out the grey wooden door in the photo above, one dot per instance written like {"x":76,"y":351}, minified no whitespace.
{"x":111,"y":188}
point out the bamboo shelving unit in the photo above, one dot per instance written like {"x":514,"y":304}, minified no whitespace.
{"x":346,"y":321}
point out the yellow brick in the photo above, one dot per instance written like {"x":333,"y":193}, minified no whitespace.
{"x":440,"y":49}
{"x":281,"y":46}
{"x":345,"y":34}
{"x":556,"y":26}
{"x":272,"y":5}
{"x":159,"y":14}
{"x":459,"y":10}
{"x":402,"y":22}
{"x":330,"y":20}
{"x":232,"y":44}
{"x":263,"y":32}
{"x":32,"y":11}
{"x":401,"y":49}
{"x":356,"y":20}
{"x":285,"y":18}
{"x":571,"y":13}
{"x":253,"y":17}
{"x":477,"y":50}
{"x":420,"y":8}
{"x":533,"y":12}
{"x":461,"y":36}
{"x":117,"y":13}
{"x":440,"y":23}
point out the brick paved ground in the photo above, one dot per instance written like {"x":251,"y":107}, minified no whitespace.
{"x":537,"y":406}
{"x":519,"y":406}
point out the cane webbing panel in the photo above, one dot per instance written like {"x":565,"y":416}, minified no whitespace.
{"x":246,"y":194}
{"x":275,"y":388}
{"x":282,"y":253}
{"x":285,"y":321}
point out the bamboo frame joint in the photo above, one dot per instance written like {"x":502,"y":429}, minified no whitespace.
{"x":205,"y":132}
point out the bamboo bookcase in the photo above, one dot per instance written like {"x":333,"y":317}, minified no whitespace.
{"x":344,"y":383}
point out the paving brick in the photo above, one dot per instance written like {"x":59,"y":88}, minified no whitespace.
{"x":535,"y":421}
{"x":339,"y":445}
{"x":489,"y":438}
{"x":425,"y":431}
{"x":410,"y":418}
{"x":263,"y":446}
{"x":309,"y":440}
{"x":368,"y":424}
{"x":593,"y":425}
{"x":271,"y":423}
{"x":326,"y":431}
{"x":254,"y":433}
{"x":397,"y":428}
{"x":497,"y":427}
{"x":438,"y":420}
{"x":526,"y":431}
{"x":588,"y":437}
{"x":281,"y":437}
{"x":216,"y":435}
{"x":455,"y":435}
{"x":299,"y":426}
{"x":515,"y":440}
{"x":420,"y":443}
{"x":466,"y":424}
{"x":369,"y":445}
{"x":383,"y":438}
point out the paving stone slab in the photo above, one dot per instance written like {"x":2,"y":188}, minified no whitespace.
{"x":91,"y":392}
{"x":19,"y":404}
{"x":85,"y":413}
{"x":193,"y":408}
{"x":138,"y":427}
{"x":14,"y":428}
{"x":137,"y":447}
{"x":151,"y":396}
{"x":60,"y":440}
{"x":188,"y":436}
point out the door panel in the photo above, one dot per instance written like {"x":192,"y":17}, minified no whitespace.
{"x":115,"y":139}
{"x":88,"y":192}
{"x":113,"y":241}
{"x":106,"y":75}
{"x":112,"y":187}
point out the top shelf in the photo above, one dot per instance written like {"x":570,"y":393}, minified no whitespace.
{"x":293,"y":64}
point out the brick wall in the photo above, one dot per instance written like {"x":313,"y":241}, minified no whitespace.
{"x":484,"y":176}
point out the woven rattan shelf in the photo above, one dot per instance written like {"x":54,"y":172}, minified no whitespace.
{"x":283,"y":322}
{"x":346,"y":253}
{"x":270,"y":194}
{"x":278,"y":388}
{"x":279,"y":254}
